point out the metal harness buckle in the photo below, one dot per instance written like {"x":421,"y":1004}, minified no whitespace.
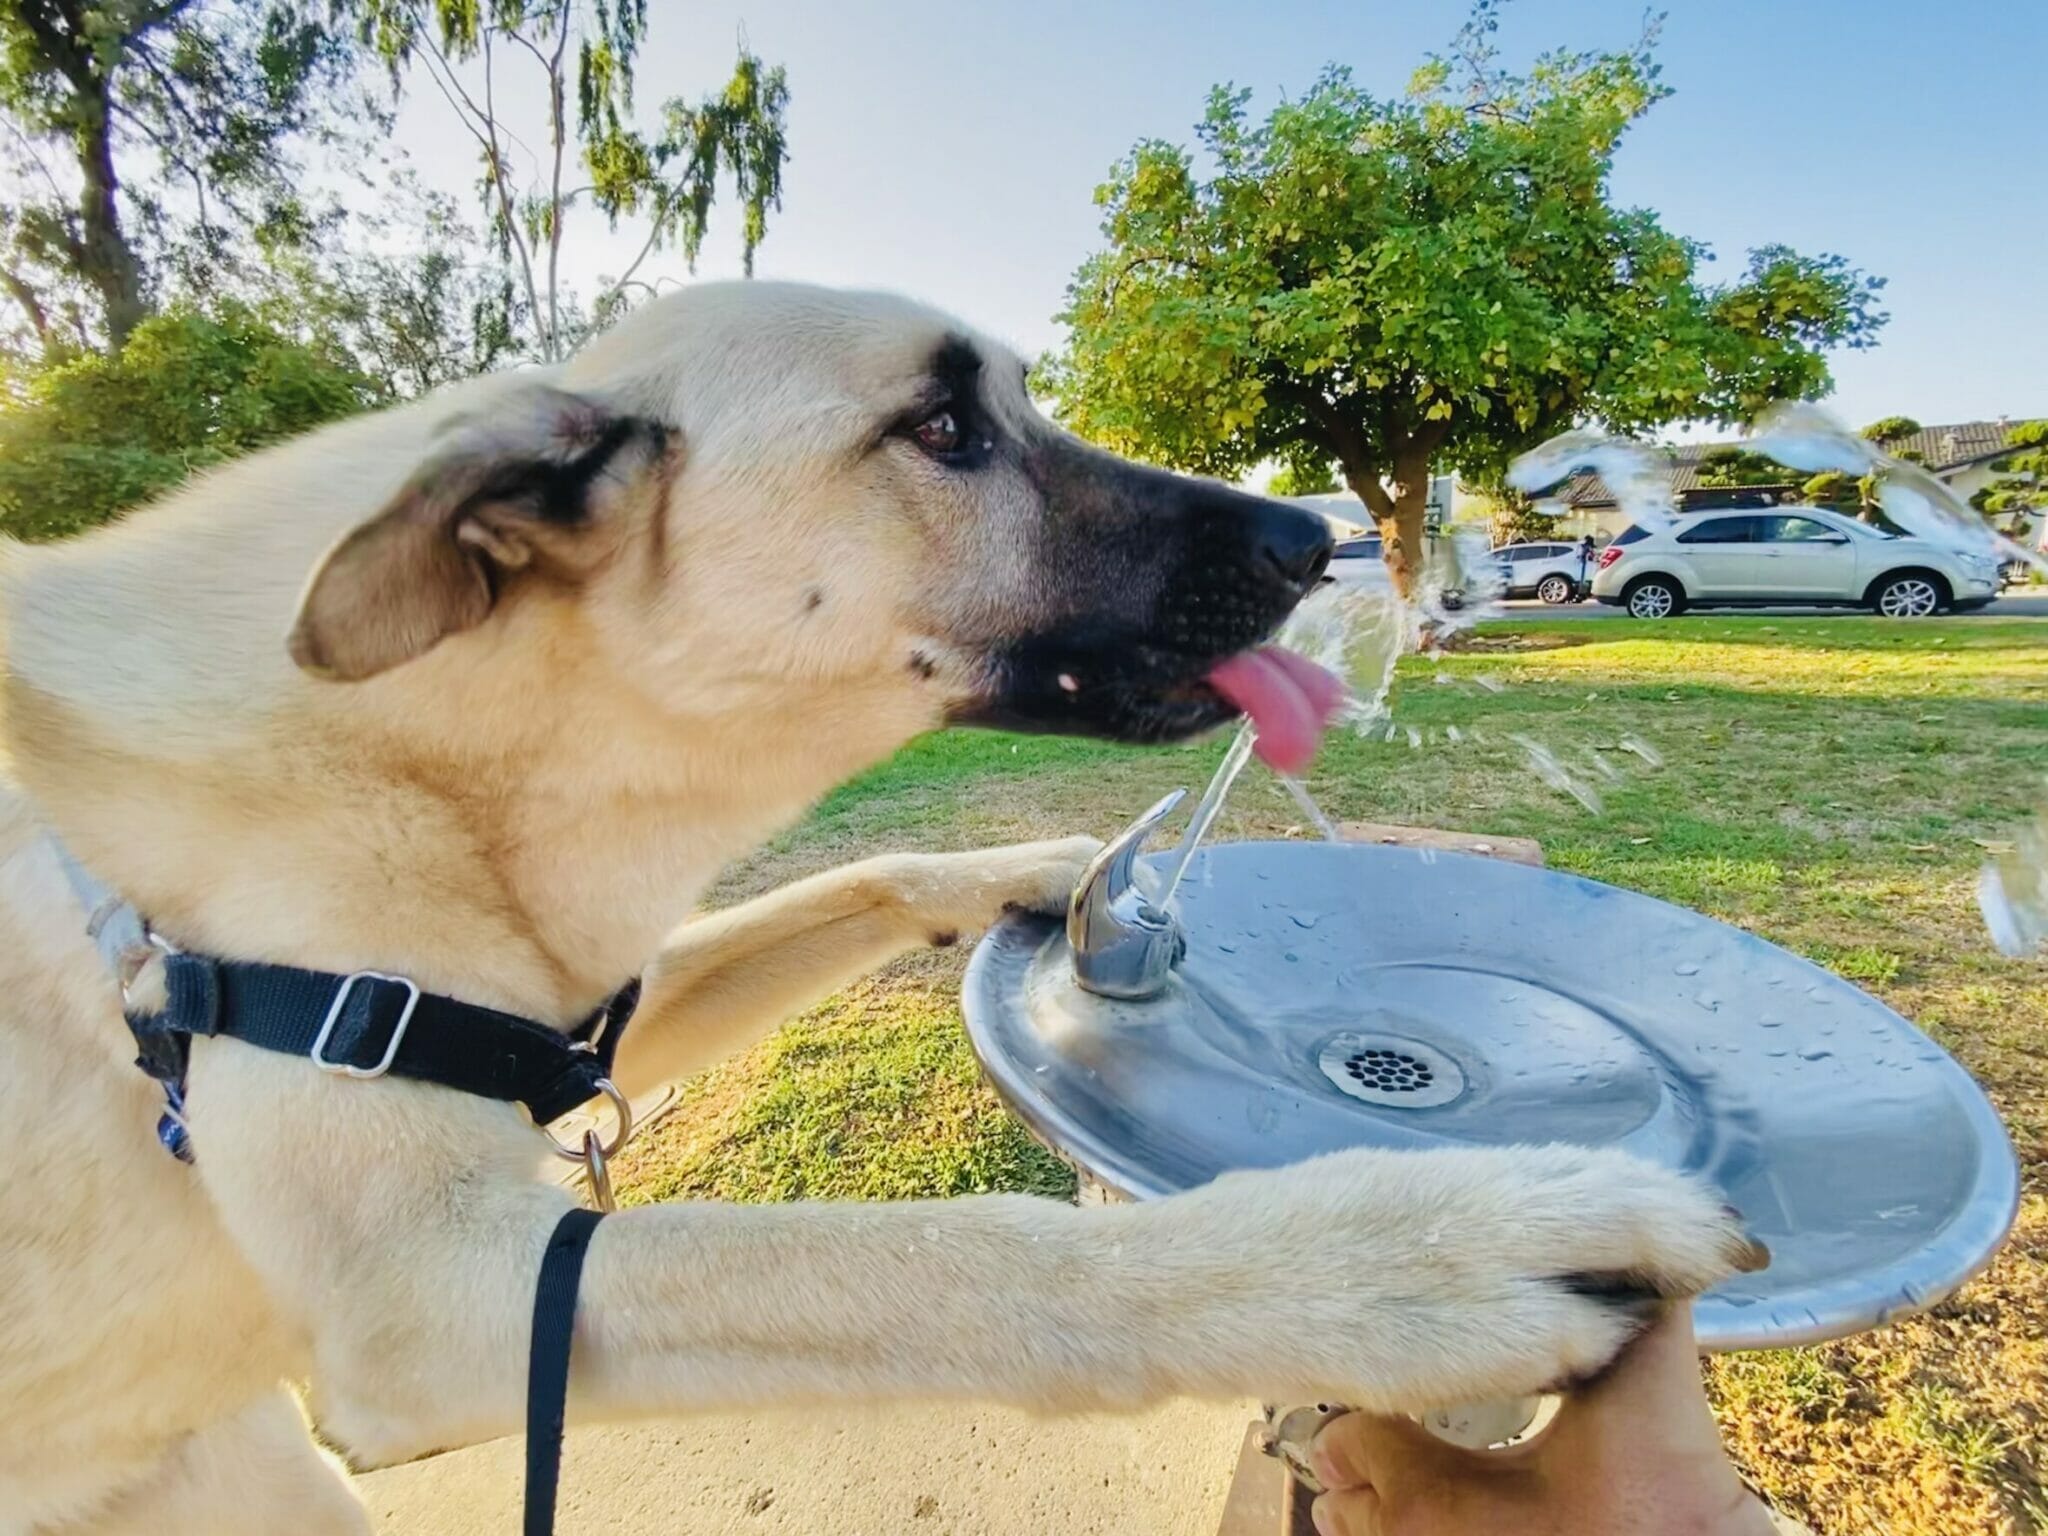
{"x":319,"y":1050}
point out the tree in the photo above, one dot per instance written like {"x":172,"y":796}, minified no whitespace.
{"x":1889,"y":429}
{"x":1515,"y":519}
{"x":1855,"y":494}
{"x":397,"y":288}
{"x":1738,"y":466}
{"x":1441,"y":277}
{"x":146,"y":134}
{"x":1297,"y":480}
{"x":2022,"y":486}
{"x":585,"y":56}
{"x":101,"y":433}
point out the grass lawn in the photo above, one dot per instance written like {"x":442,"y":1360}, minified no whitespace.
{"x":1830,"y":783}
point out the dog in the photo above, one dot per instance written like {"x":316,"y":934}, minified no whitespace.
{"x":482,"y":690}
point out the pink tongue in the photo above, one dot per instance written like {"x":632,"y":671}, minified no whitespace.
{"x":1288,"y":697}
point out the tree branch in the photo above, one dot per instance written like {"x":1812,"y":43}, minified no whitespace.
{"x":482,"y":124}
{"x":558,"y":122}
{"x":26,"y":297}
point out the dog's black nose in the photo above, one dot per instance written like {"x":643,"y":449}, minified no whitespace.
{"x":1295,"y":543}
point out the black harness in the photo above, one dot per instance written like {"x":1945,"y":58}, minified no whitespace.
{"x":369,"y":1025}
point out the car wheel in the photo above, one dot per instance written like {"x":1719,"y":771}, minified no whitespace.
{"x":1654,"y":598}
{"x":1554,"y":590}
{"x":1907,"y":597}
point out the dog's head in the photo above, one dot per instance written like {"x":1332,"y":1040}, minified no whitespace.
{"x":754,"y":494}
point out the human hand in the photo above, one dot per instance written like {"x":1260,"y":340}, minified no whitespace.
{"x":1637,"y":1453}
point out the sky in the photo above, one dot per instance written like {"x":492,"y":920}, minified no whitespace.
{"x":951,"y":152}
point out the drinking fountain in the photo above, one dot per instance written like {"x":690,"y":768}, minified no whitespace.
{"x":1295,"y":998}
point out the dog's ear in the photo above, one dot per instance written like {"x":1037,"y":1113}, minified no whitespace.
{"x":535,"y":483}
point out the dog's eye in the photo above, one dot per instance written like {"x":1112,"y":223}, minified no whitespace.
{"x":938,"y":433}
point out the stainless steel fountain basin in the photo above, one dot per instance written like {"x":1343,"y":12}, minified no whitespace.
{"x":1346,"y":995}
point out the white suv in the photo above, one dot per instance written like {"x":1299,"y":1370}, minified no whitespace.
{"x":1788,"y":556}
{"x":1546,"y":570}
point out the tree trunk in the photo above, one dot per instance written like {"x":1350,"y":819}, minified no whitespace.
{"x":106,"y":260}
{"x":1399,"y":515}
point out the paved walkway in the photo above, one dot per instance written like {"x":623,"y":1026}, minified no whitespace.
{"x":954,"y":1471}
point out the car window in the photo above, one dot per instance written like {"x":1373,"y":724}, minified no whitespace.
{"x":1633,"y":533}
{"x":1722,"y":530}
{"x":1357,"y":549}
{"x":1800,"y":530}
{"x":1526,"y":552}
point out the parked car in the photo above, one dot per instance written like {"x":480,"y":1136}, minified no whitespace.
{"x":1803,"y":556}
{"x":1549,"y":570}
{"x":1361,"y":562}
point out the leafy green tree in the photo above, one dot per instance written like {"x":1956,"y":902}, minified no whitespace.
{"x":1513,"y":519}
{"x":1738,"y":466}
{"x":101,"y":433}
{"x":1442,"y":277}
{"x":149,"y":134}
{"x":398,"y":288}
{"x":589,"y":154}
{"x":1299,"y":480}
{"x":2022,"y":486}
{"x":1889,"y":429}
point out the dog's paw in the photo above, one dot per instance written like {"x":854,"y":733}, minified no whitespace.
{"x":1404,"y":1281}
{"x":1040,"y":877}
{"x":953,"y":893}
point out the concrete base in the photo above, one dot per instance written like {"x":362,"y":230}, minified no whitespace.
{"x":943,"y":1470}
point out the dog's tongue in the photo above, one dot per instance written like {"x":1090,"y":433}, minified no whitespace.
{"x":1288,"y":698}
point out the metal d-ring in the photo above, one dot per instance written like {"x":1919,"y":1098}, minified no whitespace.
{"x":594,"y":1155}
{"x":606,"y":1087}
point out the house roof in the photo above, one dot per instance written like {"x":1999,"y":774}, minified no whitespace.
{"x":1963,"y":442}
{"x":1940,"y":448}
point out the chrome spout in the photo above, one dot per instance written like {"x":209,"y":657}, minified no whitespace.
{"x":1123,"y":946}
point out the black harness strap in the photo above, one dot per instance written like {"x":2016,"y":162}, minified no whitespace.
{"x":547,"y":1363}
{"x":367,"y":1025}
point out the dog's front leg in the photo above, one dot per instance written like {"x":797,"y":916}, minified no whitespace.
{"x":397,"y":1223}
{"x":725,"y":979}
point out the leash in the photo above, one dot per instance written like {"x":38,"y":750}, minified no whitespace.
{"x":547,"y":1361}
{"x":369,"y":1024}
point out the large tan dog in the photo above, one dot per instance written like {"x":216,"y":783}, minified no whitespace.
{"x":483,"y":691}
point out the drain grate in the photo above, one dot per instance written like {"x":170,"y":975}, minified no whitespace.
{"x":1391,"y":1070}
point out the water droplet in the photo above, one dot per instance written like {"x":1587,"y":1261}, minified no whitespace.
{"x":1686,"y":968}
{"x":1305,"y":919}
{"x":1815,"y":1053}
{"x":1770,"y":1023}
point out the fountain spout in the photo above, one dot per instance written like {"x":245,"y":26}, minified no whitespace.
{"x":1124,"y":946}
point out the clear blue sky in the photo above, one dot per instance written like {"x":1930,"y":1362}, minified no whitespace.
{"x":951,"y":151}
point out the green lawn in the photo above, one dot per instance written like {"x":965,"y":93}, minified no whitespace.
{"x":1830,"y":783}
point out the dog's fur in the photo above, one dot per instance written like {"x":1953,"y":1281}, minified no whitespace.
{"x":483,"y":690}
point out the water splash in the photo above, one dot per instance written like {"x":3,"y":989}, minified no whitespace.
{"x":2012,"y":891}
{"x":1639,"y":474}
{"x":1805,"y":437}
{"x":1310,"y":809}
{"x":1548,"y":767}
{"x":1642,"y":749}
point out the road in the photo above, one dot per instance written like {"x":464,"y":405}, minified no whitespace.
{"x":2028,"y":606}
